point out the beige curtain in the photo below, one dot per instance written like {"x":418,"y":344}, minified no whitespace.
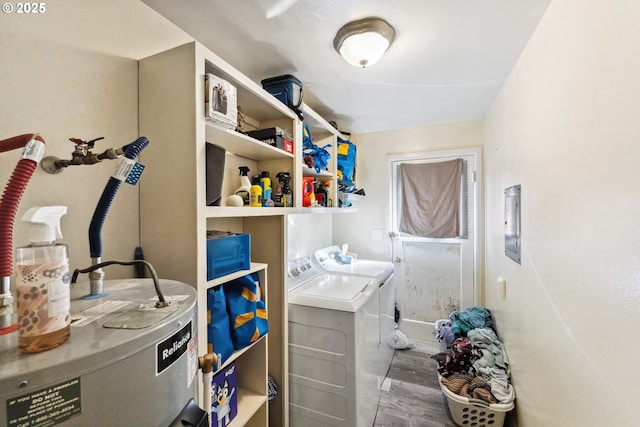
{"x":431,"y":198}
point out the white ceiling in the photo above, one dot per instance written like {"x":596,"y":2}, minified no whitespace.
{"x":449,"y":59}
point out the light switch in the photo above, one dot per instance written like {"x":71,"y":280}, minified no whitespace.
{"x":501,"y":286}
{"x":376,"y":234}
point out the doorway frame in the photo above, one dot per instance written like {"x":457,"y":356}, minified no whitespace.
{"x":476,"y":208}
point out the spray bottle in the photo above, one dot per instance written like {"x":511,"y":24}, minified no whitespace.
{"x":328,"y":202}
{"x":245,"y":185}
{"x":283,"y":192}
{"x":321,"y":194}
{"x":255,"y":193}
{"x":265,"y":183}
{"x":43,"y":283}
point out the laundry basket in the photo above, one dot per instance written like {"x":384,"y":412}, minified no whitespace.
{"x":474,"y":412}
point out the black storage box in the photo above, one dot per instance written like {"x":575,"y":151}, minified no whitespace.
{"x":275,"y":137}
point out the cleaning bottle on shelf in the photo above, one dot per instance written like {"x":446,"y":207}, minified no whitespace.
{"x":255,"y":193}
{"x":283,"y":195}
{"x":44,"y":293}
{"x":265,"y":184}
{"x":328,"y":201}
{"x":245,"y":185}
{"x":321,"y":194}
{"x":308,"y":198}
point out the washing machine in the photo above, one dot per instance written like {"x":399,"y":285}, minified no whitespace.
{"x":328,"y":261}
{"x":333,"y":341}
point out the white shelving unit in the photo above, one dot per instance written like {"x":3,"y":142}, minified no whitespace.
{"x":173,"y":212}
{"x":251,"y":361}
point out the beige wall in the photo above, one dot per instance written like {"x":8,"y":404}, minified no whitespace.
{"x":565,"y":126}
{"x":372,"y":174}
{"x":73,"y":72}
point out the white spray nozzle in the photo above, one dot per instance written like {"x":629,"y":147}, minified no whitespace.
{"x":45,"y":223}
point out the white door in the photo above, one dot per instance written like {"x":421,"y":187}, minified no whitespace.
{"x":435,"y":276}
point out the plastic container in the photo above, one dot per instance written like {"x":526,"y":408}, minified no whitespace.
{"x":307,"y":191}
{"x":475,"y":412}
{"x":265,"y":184}
{"x":227,"y":254}
{"x":287,"y":88}
{"x":245,"y":185}
{"x":255,"y":193}
{"x":43,"y":283}
{"x":282,"y":195}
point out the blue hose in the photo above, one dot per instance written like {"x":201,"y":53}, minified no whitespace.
{"x":131,"y":151}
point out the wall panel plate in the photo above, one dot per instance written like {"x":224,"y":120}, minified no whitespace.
{"x":512,"y":242}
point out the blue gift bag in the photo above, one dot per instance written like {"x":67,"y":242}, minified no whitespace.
{"x":346,"y":161}
{"x":247,"y":312}
{"x":262,"y":322}
{"x":218,"y":327}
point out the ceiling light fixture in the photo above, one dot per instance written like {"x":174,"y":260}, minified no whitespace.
{"x":362,"y":43}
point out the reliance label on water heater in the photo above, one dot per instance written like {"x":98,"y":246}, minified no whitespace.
{"x":170,"y":350}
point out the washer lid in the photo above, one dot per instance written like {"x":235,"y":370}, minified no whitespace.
{"x":345,"y":293}
{"x":360,"y":267}
{"x":326,"y":259}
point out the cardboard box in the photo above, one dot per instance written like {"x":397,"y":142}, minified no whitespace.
{"x":224,"y":396}
{"x":221,"y":102}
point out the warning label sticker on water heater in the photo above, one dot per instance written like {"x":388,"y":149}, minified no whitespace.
{"x":46,"y":407}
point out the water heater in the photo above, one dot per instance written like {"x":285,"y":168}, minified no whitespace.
{"x":126,"y":363}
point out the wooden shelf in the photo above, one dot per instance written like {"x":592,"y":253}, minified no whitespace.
{"x":248,"y":404}
{"x":254,"y":267}
{"x":307,"y":171}
{"x":245,"y":211}
{"x":322,"y":210}
{"x":243,"y":145}
{"x":319,"y":124}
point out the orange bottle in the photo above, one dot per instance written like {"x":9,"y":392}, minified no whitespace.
{"x":307,"y":191}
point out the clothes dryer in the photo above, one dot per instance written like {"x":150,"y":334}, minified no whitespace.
{"x":333,"y":363}
{"x":328,"y":261}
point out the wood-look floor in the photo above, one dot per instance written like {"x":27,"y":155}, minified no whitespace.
{"x":411,"y":396}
